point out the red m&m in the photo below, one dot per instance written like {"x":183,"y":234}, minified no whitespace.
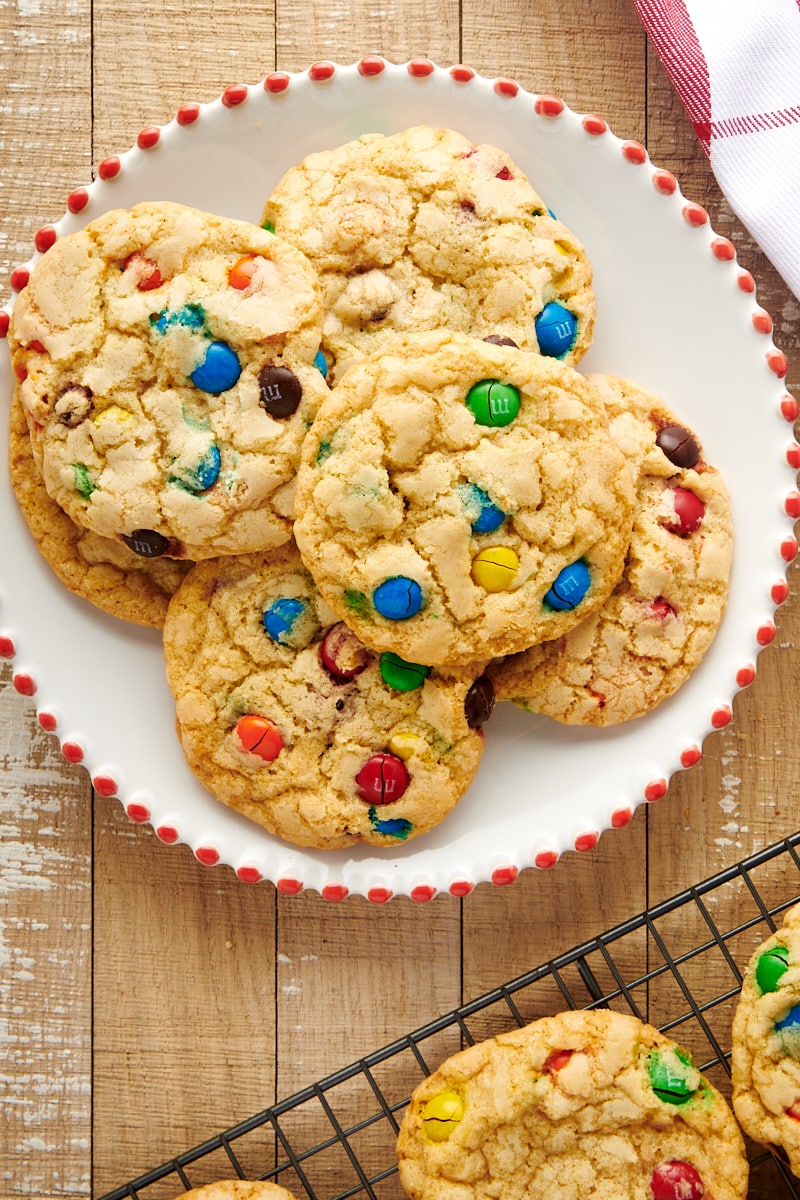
{"x":688,"y":509}
{"x":382,"y":779}
{"x":677,"y":1180}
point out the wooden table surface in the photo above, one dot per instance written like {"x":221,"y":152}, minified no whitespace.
{"x":147,"y":1001}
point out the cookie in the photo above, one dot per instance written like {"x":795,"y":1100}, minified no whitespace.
{"x":580,"y":1105}
{"x":238,"y":1189}
{"x":424,"y":229}
{"x":101,"y":570}
{"x":459,"y":500}
{"x":285,"y":716}
{"x":765,"y":1062}
{"x":166,"y":366}
{"x":663,"y":615}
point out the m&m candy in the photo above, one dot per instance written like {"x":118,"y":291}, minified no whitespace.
{"x":441,"y":1115}
{"x":398,"y":598}
{"x":771,"y":966}
{"x":495,"y":568}
{"x":493,"y":403}
{"x":218,"y":371}
{"x":556,"y":328}
{"x":569,"y":588}
{"x":259,"y":736}
{"x":383,"y":779}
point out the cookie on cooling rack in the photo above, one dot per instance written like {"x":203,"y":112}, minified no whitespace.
{"x":285,"y":716}
{"x":657,"y":624}
{"x":459,"y":500}
{"x":424,"y":229}
{"x":238,"y":1189}
{"x":99,"y":569}
{"x":582,"y":1104}
{"x":166,"y":367}
{"x":765,"y":1063}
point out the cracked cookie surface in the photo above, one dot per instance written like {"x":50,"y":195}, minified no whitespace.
{"x":579,"y":1106}
{"x":765,"y":1062}
{"x":663,"y":615}
{"x":101,"y":570}
{"x":424,"y":229}
{"x":285,"y":716}
{"x":165,"y":359}
{"x":459,"y":500}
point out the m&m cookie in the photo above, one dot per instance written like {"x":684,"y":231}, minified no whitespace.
{"x":287,"y":717}
{"x":238,"y":1189}
{"x":765,"y":1063}
{"x":165,"y":360}
{"x":657,"y":624}
{"x":102,"y":570}
{"x":424,"y":229}
{"x":581,"y":1104}
{"x":459,"y":499}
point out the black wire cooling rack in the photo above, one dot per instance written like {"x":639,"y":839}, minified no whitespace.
{"x":678,"y":965}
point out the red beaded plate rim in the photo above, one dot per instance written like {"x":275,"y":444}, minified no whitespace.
{"x":370,"y":68}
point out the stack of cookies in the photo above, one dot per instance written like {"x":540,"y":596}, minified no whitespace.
{"x":347,"y":461}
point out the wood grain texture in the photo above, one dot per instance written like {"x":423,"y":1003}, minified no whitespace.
{"x":146,"y":1001}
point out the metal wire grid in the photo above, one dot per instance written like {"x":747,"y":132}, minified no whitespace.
{"x":677,"y":965}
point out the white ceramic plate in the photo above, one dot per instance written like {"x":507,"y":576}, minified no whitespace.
{"x":675,"y":313}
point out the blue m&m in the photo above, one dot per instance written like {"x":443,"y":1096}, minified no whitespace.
{"x":556,"y":329}
{"x":280,"y":618}
{"x":218,"y":371}
{"x":570,"y":586}
{"x":398,"y":598}
{"x":486,"y":516}
{"x":204,"y":474}
{"x":788,"y":1029}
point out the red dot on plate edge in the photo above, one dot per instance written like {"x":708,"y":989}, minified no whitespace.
{"x":335,"y":892}
{"x":721,"y":716}
{"x":138,"y":812}
{"x":249,"y":874}
{"x":691,"y":756}
{"x":655,"y":790}
{"x":745,"y":675}
{"x":502,"y":876}
{"x":24,"y":684}
{"x":207,"y":855}
{"x":148,"y":138}
{"x":109,"y":168}
{"x":276,"y":82}
{"x":545,"y":859}
{"x":105,"y":785}
{"x":422,"y":893}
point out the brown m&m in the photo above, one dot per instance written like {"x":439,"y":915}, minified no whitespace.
{"x":280,"y":391}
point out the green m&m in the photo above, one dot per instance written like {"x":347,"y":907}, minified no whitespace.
{"x":493,"y":403}
{"x":673,"y":1076}
{"x":771,"y":966}
{"x":401,"y":675}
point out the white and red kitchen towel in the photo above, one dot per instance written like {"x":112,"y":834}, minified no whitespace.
{"x":735,"y":65}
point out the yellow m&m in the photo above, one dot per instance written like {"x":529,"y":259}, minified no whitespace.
{"x":495,"y":568}
{"x":441,"y":1115}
